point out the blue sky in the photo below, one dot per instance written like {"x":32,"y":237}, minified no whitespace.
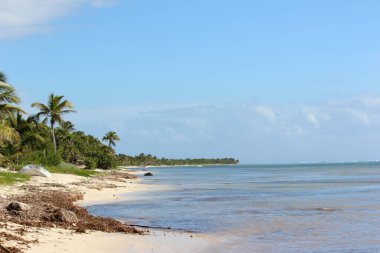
{"x":263,"y":81}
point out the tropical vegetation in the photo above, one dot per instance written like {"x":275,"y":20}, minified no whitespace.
{"x":53,"y":111}
{"x":149,"y":160}
{"x":48,"y":139}
{"x":111,"y":137}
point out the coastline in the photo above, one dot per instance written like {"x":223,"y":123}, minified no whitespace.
{"x":131,"y":167}
{"x":96,"y":190}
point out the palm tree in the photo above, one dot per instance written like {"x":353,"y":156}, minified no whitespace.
{"x":53,"y":111}
{"x":30,"y":131}
{"x":3,"y":77}
{"x":67,"y":127}
{"x":111,"y":137}
{"x":8,"y":134}
{"x":8,"y":104}
{"x":8,"y":98}
{"x":64,"y":134}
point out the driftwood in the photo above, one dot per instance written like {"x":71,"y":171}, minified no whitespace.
{"x":2,"y":248}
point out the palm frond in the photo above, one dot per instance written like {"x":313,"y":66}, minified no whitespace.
{"x":43,"y":108}
{"x":8,"y":94}
{"x":8,"y":134}
{"x":3,"y":77}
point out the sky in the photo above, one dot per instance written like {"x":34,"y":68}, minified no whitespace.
{"x":262,"y":81}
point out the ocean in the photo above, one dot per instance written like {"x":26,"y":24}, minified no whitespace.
{"x":309,"y":208}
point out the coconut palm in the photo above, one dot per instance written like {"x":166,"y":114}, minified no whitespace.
{"x":3,"y":77}
{"x":64,"y":134}
{"x":31,"y":131}
{"x":111,"y":137}
{"x":8,"y":104}
{"x":53,"y":111}
{"x":8,"y":98}
{"x":8,"y":134}
{"x":67,"y":127}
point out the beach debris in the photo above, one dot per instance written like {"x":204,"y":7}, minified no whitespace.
{"x":116,"y":176}
{"x":50,"y":208}
{"x":52,"y":205}
{"x":62,"y":215}
{"x":53,"y":185}
{"x":148,"y":174}
{"x":35,"y":170}
{"x":18,"y":206}
{"x":75,"y":195}
{"x":80,"y":230}
{"x":4,"y":249}
{"x":14,"y":239}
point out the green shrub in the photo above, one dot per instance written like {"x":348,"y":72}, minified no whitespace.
{"x":51,"y":159}
{"x":41,"y":158}
{"x":70,"y":169}
{"x":90,"y":163}
{"x":105,"y":161}
{"x":87,"y":150}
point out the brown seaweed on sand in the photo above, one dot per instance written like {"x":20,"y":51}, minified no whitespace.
{"x":51,"y":208}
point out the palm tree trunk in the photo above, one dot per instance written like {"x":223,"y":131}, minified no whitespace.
{"x":53,"y":135}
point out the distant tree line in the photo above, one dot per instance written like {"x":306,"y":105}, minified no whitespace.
{"x":149,"y":160}
{"x":46,"y":138}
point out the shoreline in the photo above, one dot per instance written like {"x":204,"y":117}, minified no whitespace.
{"x":96,"y":190}
{"x":184,"y":165}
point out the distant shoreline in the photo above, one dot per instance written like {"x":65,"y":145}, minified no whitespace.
{"x":179,"y":165}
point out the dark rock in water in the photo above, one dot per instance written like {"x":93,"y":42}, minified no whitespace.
{"x":149,"y":174}
{"x":63,"y":215}
{"x":18,"y":206}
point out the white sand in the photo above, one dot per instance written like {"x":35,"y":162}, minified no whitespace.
{"x":59,"y":240}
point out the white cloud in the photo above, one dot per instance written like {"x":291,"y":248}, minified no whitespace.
{"x":360,"y":116}
{"x":23,"y":17}
{"x":311,"y":117}
{"x":339,"y":130}
{"x":266,"y":112}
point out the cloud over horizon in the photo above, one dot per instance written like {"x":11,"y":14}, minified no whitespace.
{"x":24,"y":17}
{"x":342,"y":130}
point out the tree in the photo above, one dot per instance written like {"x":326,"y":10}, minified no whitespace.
{"x":111,"y":137}
{"x":8,"y":98}
{"x":32,"y":133}
{"x":3,"y":77}
{"x":67,"y":127}
{"x":53,"y":111}
{"x":64,"y":135}
{"x":8,"y":105}
{"x":8,"y":134}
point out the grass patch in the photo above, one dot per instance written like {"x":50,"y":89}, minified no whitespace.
{"x":65,"y":168}
{"x":8,"y":178}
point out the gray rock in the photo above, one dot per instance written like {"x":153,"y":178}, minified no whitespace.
{"x":63,"y":215}
{"x":18,"y":206}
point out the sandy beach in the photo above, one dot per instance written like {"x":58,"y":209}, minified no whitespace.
{"x":95,"y":190}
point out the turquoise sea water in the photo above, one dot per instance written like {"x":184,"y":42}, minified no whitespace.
{"x":271,"y":208}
